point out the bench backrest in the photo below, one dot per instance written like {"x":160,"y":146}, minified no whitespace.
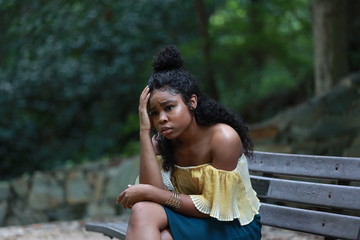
{"x":313,"y":194}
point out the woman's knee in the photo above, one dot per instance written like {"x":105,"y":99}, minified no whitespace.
{"x":148,"y":213}
{"x":142,"y":209}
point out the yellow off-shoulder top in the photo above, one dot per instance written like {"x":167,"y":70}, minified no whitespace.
{"x":224,"y":195}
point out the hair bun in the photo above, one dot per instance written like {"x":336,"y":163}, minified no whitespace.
{"x":168,"y":58}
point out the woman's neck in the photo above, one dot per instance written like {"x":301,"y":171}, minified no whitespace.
{"x":192,"y":135}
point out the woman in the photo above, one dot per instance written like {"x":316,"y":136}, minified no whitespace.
{"x":194,"y":181}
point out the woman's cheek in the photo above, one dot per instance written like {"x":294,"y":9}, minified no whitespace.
{"x":153,"y":125}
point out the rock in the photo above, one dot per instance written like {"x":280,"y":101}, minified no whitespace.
{"x":77,"y":188}
{"x":46,"y":192}
{"x":66,"y":194}
{"x":99,"y":187}
{"x":67,"y":212}
{"x":263,"y":134}
{"x":120,"y":177}
{"x":60,"y":175}
{"x":324,"y":125}
{"x":20,"y":186}
{"x":22,"y":215}
{"x":354,"y":149}
{"x":99,"y":210}
{"x":4,"y":190}
{"x":3,"y":211}
{"x":268,"y":147}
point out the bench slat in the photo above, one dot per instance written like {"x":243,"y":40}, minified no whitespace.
{"x":319,"y":194}
{"x":314,"y":222}
{"x":117,"y":230}
{"x":339,"y":168}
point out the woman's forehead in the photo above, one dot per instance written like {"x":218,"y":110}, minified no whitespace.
{"x":160,"y":96}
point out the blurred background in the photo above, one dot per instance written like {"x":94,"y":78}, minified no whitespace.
{"x":71,"y":72}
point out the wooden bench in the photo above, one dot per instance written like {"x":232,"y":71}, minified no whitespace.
{"x":312,"y":194}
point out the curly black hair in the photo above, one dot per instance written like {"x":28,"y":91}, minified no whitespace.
{"x":170,"y":75}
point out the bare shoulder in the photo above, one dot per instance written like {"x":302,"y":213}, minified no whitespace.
{"x":226,"y":147}
{"x":223,"y":131}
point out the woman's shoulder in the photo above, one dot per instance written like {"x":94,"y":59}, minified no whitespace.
{"x":226,"y":147}
{"x":223,"y":132}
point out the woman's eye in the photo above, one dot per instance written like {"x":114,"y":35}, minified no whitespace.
{"x":153,"y":113}
{"x":169,"y":108}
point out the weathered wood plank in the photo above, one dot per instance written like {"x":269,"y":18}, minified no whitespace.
{"x":116,"y":230}
{"x":314,"y":222}
{"x":335,"y":196}
{"x":339,"y":168}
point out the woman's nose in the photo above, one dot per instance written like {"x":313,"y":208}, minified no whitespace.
{"x":163,"y":117}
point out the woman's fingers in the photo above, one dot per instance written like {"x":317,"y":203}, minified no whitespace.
{"x":120,"y":197}
{"x":144,"y":94}
{"x":144,"y":97}
{"x":134,"y":194}
{"x":143,"y":114}
{"x":123,"y":199}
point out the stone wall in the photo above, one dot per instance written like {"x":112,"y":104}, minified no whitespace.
{"x":85,"y":191}
{"x":324,"y":125}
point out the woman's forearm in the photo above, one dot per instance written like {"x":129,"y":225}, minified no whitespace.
{"x":187,"y":207}
{"x":149,"y":168}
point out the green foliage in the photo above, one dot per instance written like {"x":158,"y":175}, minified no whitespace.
{"x":71,"y":71}
{"x":72,"y":75}
{"x":261,"y":48}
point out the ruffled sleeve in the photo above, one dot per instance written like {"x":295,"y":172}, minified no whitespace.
{"x":225,"y":195}
{"x":166,"y":175}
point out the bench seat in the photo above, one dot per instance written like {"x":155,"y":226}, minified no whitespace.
{"x":312,"y":194}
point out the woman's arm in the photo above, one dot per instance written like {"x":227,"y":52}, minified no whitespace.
{"x":149,"y":172}
{"x":145,"y":192}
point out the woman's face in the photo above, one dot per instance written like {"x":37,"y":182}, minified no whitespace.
{"x":169,"y":114}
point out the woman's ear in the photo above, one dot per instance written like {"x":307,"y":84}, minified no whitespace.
{"x":193,"y":102}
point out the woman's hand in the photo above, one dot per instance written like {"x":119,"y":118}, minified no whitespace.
{"x":133,"y":194}
{"x":145,"y":124}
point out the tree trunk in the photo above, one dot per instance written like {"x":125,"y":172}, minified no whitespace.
{"x":256,"y":27}
{"x":330,"y":43}
{"x":353,"y":33}
{"x":206,"y":50}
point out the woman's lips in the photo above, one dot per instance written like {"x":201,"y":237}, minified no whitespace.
{"x":166,"y":131}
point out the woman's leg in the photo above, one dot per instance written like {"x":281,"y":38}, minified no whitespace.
{"x":166,"y":234}
{"x":147,"y":221}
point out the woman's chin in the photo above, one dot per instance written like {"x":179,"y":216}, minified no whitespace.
{"x":169,"y":136}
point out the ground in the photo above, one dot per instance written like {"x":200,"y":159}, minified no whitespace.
{"x":75,"y":230}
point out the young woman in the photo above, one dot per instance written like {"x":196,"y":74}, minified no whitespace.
{"x":194,"y":181}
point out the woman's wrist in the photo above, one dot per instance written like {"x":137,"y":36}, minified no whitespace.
{"x":145,"y":132}
{"x":155,"y":194}
{"x":150,"y":193}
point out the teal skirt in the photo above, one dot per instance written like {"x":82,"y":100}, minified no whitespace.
{"x":184,"y":227}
